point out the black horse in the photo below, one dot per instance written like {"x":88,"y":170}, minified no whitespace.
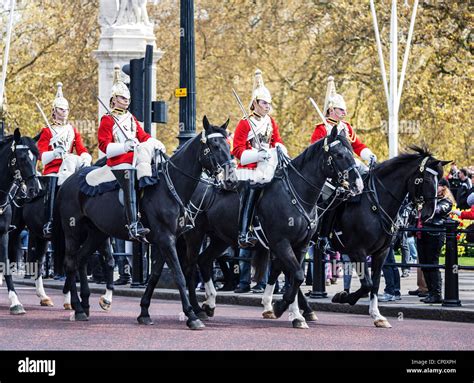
{"x":365,"y":226}
{"x":162,"y":205}
{"x":18,"y":158}
{"x":287,"y":213}
{"x":31,"y":214}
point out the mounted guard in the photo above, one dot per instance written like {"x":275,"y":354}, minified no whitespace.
{"x":335,"y":110}
{"x":123,"y":140}
{"x":56,"y":145}
{"x":255,"y":139}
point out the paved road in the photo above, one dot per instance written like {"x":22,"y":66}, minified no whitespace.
{"x":233,"y":328}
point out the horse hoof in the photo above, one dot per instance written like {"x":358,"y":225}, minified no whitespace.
{"x":209,"y":311}
{"x":382,"y":323}
{"x":202,"y":315}
{"x":298,"y":323}
{"x":145,"y":320}
{"x":195,"y":324}
{"x":17,"y":310}
{"x":67,"y":306}
{"x":310,"y":317}
{"x":269,"y":314}
{"x":78,"y":317}
{"x":105,"y":304}
{"x":48,"y":302}
{"x":277,"y":309}
{"x":340,"y":297}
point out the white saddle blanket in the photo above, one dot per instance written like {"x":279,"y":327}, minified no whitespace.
{"x":99,"y":176}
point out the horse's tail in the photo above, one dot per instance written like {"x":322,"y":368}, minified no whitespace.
{"x":261,"y":262}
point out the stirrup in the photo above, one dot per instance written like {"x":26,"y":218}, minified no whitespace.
{"x":247,"y":239}
{"x":137,"y":231}
{"x":48,"y":230}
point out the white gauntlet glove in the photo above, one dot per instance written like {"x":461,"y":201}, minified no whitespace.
{"x":263,"y":155}
{"x":86,"y":159}
{"x":129,"y":145}
{"x":367,"y":155}
{"x":59,"y":152}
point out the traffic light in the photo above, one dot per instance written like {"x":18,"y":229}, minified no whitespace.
{"x":135,"y":70}
{"x":141,"y":105}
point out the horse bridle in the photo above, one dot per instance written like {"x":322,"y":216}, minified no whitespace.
{"x":418,"y":199}
{"x":207,"y":156}
{"x":342,"y":176}
{"x":19,"y":180}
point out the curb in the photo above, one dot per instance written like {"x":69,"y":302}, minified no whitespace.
{"x":449,"y":314}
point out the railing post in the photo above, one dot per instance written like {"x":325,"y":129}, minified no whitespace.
{"x":451,"y":283}
{"x":319,"y":274}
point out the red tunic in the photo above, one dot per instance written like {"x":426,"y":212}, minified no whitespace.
{"x":240,"y":143}
{"x":105,"y":136}
{"x":43,"y":146}
{"x":321,"y":132}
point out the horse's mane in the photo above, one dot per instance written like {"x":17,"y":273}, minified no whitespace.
{"x":417,"y":153}
{"x":217,"y":129}
{"x":310,"y":151}
{"x":28,"y":141}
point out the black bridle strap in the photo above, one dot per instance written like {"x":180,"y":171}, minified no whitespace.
{"x":10,"y":196}
{"x":377,"y":207}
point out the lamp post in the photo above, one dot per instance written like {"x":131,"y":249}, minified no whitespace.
{"x":394,"y":93}
{"x":187,"y":74}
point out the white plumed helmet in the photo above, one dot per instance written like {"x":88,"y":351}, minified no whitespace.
{"x":333,"y":100}
{"x":59,"y":100}
{"x":260,"y":92}
{"x":119,"y":88}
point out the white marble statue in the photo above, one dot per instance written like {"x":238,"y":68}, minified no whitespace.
{"x":132,"y":12}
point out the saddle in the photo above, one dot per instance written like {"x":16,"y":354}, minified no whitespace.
{"x":94,"y":180}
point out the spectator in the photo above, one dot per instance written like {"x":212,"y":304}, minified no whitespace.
{"x":429,"y":244}
{"x":467,"y":214}
{"x":465,"y":186}
{"x":245,"y":274}
{"x":392,"y":279}
{"x":123,"y":263}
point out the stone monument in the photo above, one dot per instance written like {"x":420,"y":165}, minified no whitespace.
{"x":125,"y":32}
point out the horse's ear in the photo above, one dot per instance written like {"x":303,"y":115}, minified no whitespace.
{"x":17,"y":136}
{"x":444,"y":163}
{"x":334,"y":132}
{"x":205,"y":123}
{"x":226,"y":124}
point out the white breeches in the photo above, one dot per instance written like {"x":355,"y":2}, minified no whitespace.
{"x":263,"y":173}
{"x":145,"y":152}
{"x":70,"y":165}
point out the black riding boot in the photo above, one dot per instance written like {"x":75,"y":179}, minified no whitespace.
{"x":248,"y":200}
{"x":50,"y":196}
{"x":126,"y":179}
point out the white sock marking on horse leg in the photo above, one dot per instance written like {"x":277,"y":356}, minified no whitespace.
{"x":40,"y":293}
{"x":13,"y":299}
{"x":108,"y":295}
{"x":211,"y":294}
{"x":268,"y":297}
{"x":374,"y":309}
{"x":1,"y":279}
{"x":67,"y":298}
{"x":294,"y":311}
